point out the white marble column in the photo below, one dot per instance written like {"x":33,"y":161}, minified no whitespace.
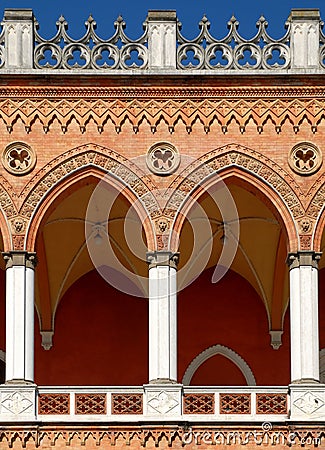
{"x":304,"y":316}
{"x":162,"y":316}
{"x":20,"y":316}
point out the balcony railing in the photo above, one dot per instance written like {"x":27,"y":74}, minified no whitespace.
{"x":162,"y":46}
{"x":151,"y":402}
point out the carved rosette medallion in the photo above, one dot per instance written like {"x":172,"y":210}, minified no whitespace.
{"x":163,"y":158}
{"x":18,"y":158}
{"x":305,"y":158}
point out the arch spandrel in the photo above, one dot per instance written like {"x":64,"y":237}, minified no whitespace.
{"x":316,"y":212}
{"x":11,"y":225}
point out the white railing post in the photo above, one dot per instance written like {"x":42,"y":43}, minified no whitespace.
{"x":304,"y":38}
{"x":162,"y":27}
{"x":19,"y":38}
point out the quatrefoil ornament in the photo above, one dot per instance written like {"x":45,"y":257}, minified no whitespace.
{"x":18,"y":158}
{"x":163,"y":158}
{"x":305,"y":158}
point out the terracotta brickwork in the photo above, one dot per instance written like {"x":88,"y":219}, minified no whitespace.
{"x":135,"y":437}
{"x":253,"y":127}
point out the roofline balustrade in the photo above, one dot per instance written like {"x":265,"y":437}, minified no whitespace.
{"x":162,"y":48}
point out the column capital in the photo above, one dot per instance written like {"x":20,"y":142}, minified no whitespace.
{"x":303,"y":258}
{"x":162,"y":258}
{"x":20,"y":258}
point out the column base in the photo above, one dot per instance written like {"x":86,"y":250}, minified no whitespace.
{"x":305,"y":381}
{"x":19,"y":382}
{"x":162,"y":381}
{"x":163,"y":400}
{"x":18,"y":401}
{"x":307,"y":401}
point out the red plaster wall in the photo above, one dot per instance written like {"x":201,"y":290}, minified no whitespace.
{"x":229,"y":313}
{"x":101,"y":335}
{"x":101,"y":338}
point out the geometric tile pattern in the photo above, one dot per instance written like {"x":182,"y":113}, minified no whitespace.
{"x":54,"y":404}
{"x":271,"y":404}
{"x":127,"y":403}
{"x":90,"y":404}
{"x":235,"y":403}
{"x":198,"y":404}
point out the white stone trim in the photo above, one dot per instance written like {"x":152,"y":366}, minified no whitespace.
{"x":219,"y":350}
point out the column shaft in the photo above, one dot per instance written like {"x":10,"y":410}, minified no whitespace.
{"x":162,"y":317}
{"x":304,"y":317}
{"x":20,"y":316}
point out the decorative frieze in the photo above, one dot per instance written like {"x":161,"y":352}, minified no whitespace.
{"x":206,"y":106}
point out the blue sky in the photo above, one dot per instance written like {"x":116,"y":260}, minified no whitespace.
{"x":189,"y":13}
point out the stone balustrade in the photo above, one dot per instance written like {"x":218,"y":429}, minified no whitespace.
{"x":162,"y":47}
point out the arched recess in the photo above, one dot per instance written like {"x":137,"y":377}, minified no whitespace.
{"x":267,"y":270}
{"x":219,"y":350}
{"x":66,"y":203}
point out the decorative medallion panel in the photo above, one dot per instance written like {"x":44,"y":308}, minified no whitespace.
{"x":163,"y":158}
{"x":18,"y":158}
{"x":305,"y":158}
